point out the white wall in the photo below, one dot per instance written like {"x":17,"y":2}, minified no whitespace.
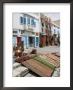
{"x":36,"y":15}
{"x":17,"y":25}
{"x":56,"y":30}
{"x":16,"y":21}
{"x":37,"y":28}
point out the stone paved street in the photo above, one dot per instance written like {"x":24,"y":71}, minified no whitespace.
{"x":50,"y":49}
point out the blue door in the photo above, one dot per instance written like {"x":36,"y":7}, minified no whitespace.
{"x":33,"y":41}
{"x":25,"y":40}
{"x":37,"y":41}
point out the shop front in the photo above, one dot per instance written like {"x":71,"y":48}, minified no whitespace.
{"x":30,"y":41}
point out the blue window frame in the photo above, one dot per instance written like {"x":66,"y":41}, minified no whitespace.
{"x":33,"y":22}
{"x":28,"y":20}
{"x":37,"y":41}
{"x":22,"y":20}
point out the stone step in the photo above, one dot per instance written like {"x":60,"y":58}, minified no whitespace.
{"x":20,"y":71}
{"x":16,"y":65}
{"x":56,"y":73}
{"x":30,"y":75}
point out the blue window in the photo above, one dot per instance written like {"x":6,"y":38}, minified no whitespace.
{"x":37,"y":41}
{"x":28,"y":20}
{"x":33,"y":22}
{"x":22,"y":20}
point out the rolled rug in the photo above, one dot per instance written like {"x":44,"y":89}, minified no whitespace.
{"x":57,"y":54}
{"x":56,"y":63}
{"x":22,"y":58}
{"x":44,"y":61}
{"x":25,"y":57}
{"x":54,"y":57}
{"x":50,"y":55}
{"x":38,"y":68}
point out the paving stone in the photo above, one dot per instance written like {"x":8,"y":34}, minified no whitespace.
{"x":56,"y":72}
{"x":16,"y":65}
{"x":20,"y":71}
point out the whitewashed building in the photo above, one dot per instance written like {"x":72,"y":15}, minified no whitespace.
{"x":25,"y":26}
{"x":55,"y":29}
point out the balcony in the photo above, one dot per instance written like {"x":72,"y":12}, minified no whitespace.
{"x":43,"y":33}
{"x":29,"y":28}
{"x":15,"y":33}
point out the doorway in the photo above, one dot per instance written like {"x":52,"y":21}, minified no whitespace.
{"x":32,"y":41}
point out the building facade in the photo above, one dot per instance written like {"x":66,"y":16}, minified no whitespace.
{"x":55,"y":29}
{"x":34,"y":29}
{"x":55,"y":33}
{"x":45,"y":30}
{"x":50,"y":31}
{"x":25,"y":29}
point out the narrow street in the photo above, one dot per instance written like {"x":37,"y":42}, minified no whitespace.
{"x":46,"y":49}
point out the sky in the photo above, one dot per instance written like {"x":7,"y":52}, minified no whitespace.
{"x":54,"y":16}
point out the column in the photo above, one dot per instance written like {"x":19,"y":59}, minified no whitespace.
{"x":27,"y":41}
{"x":23,"y":39}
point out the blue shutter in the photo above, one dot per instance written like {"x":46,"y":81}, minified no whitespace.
{"x":37,"y":41}
{"x":28,"y":20}
{"x":24,"y":20}
{"x":21,"y":20}
{"x":33,"y":22}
